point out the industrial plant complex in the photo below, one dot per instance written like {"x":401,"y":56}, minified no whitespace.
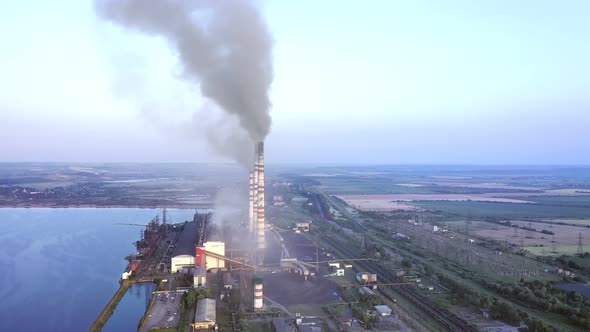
{"x":229,"y":262}
{"x":300,"y":259}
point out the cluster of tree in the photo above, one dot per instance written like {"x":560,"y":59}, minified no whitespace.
{"x":368,"y":320}
{"x":314,"y":209}
{"x":188,"y":301}
{"x":535,"y":325}
{"x":505,"y":312}
{"x":563,"y":261}
{"x":406,"y":263}
{"x":542,"y":295}
{"x":368,"y":301}
{"x":461,"y":294}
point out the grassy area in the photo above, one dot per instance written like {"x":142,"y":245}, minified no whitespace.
{"x":224,"y":319}
{"x":183,"y":324}
{"x":548,"y":251}
{"x":571,"y":201}
{"x":262,"y":326}
{"x":504,"y":210}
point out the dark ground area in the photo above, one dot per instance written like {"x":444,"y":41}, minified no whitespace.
{"x":290,"y":289}
{"x":302,"y":248}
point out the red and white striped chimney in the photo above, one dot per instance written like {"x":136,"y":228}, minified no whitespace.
{"x":260,"y":244}
{"x":251,"y":204}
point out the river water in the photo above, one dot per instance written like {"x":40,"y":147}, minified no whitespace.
{"x":59,"y":267}
{"x":131,"y":308}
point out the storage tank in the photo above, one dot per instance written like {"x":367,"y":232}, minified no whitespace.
{"x":258,"y":294}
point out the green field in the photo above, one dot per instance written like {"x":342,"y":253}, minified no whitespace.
{"x":504,"y":210}
{"x":569,"y":201}
{"x":346,"y":185}
{"x":561,"y":250}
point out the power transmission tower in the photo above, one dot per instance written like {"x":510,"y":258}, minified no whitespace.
{"x":469,"y":217}
{"x":580,"y":246}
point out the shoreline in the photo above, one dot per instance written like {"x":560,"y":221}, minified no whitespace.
{"x":97,"y":206}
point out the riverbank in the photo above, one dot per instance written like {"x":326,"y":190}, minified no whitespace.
{"x":110,"y":206}
{"x":108,"y":310}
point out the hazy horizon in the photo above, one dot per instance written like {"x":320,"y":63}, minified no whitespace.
{"x":385,"y":83}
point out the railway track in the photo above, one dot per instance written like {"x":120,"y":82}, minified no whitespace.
{"x":443,"y":316}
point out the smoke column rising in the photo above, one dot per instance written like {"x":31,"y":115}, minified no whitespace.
{"x":224,"y":47}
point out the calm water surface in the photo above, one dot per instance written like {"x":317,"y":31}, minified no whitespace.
{"x":59,"y":267}
{"x":131,"y":308}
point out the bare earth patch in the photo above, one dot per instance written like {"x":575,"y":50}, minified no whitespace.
{"x":369,"y":204}
{"x":390,"y":202}
{"x":564,"y":235}
{"x":488,"y":185}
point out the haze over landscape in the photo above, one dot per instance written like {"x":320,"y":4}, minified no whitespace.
{"x":295,"y":166}
{"x":385,"y":82}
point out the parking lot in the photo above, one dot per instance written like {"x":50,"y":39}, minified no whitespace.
{"x":165,"y":311}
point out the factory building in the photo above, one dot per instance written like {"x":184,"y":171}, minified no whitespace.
{"x":366,"y":278}
{"x":205,"y":316}
{"x":199,"y":277}
{"x":216,"y":247}
{"x":183,"y":254}
{"x":181,"y":262}
{"x":366,"y":291}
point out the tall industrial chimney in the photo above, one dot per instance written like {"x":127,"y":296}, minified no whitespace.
{"x":251,"y":204}
{"x":255,"y":191}
{"x":260,"y":201}
{"x":258,"y":294}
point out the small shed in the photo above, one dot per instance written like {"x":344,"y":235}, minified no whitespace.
{"x":204,"y":315}
{"x":383,"y":310}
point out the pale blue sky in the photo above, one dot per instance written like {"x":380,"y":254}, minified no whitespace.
{"x":355,"y":81}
